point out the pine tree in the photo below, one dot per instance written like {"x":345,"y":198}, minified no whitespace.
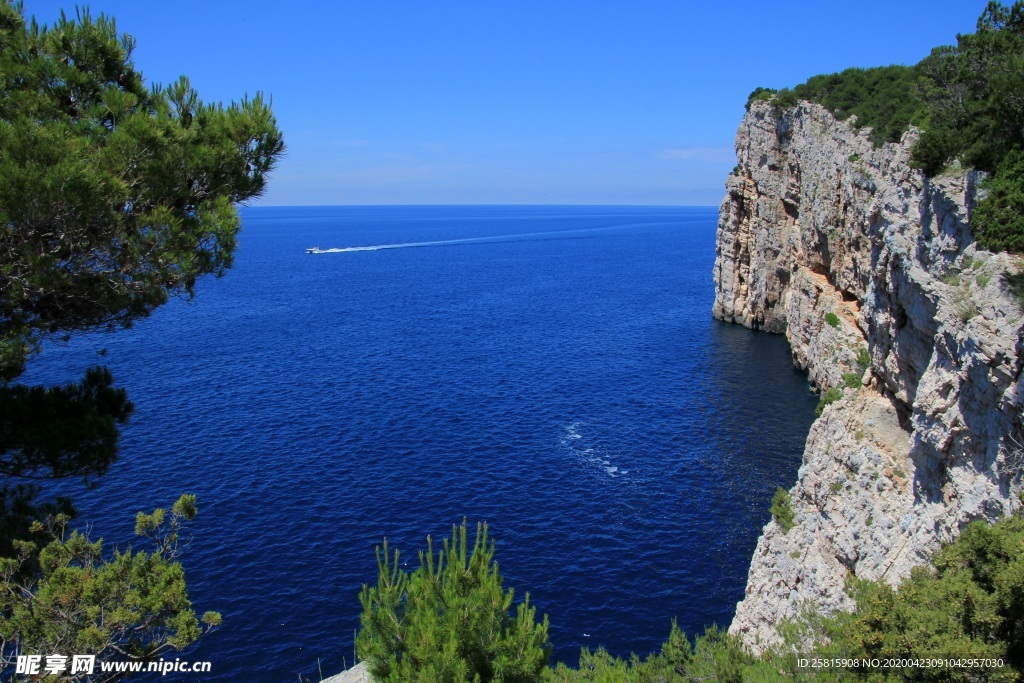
{"x":450,"y":621}
{"x":114,"y":197}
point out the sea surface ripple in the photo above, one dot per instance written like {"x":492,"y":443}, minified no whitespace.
{"x":553,"y":371}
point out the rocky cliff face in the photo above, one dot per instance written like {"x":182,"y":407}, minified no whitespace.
{"x":816,"y":222}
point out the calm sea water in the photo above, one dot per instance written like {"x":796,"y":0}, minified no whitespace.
{"x":553,"y":371}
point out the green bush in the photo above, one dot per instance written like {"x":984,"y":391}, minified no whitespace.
{"x":713,"y":656}
{"x":1015,"y":283}
{"x":883,"y":98}
{"x":852,"y":380}
{"x":450,"y":621}
{"x":998,"y":220}
{"x":830,"y":396}
{"x":785,"y":99}
{"x":863,"y":359}
{"x":760,"y":95}
{"x":782,"y":511}
{"x":832,"y":319}
{"x":970,"y":606}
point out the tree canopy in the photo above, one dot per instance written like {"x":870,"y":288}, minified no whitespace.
{"x":115,"y":195}
{"x":64,"y":597}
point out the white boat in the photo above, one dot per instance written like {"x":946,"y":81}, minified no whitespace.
{"x":314,"y":250}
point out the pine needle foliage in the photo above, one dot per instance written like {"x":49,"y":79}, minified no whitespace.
{"x":999,"y":219}
{"x":970,"y":605}
{"x":125,"y":605}
{"x":450,"y":621}
{"x":114,"y":196}
{"x":712,"y":656}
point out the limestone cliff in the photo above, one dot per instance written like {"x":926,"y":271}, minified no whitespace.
{"x":818,"y":221}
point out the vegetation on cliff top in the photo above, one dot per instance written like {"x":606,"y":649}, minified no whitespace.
{"x":450,"y":622}
{"x":882,"y":98}
{"x":966,"y":99}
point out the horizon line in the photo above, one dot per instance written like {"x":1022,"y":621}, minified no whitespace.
{"x":494,"y":204}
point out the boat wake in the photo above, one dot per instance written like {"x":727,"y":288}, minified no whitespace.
{"x":576,"y":443}
{"x":551,"y":234}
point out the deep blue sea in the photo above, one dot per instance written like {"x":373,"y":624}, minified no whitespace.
{"x":553,"y":371}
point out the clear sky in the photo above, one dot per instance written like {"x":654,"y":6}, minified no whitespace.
{"x":521,"y":101}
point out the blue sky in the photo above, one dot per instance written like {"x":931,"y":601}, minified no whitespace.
{"x":553,"y":102}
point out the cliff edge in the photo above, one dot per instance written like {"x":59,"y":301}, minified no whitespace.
{"x":817,"y":221}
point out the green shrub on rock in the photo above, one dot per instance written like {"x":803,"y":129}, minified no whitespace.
{"x":713,"y":656}
{"x":852,"y":380}
{"x":998,"y":221}
{"x":830,"y":396}
{"x":1015,"y":283}
{"x":863,"y":359}
{"x":782,"y":510}
{"x":970,"y":606}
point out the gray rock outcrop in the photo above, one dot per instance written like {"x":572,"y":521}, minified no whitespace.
{"x":818,"y":221}
{"x":357,"y":674}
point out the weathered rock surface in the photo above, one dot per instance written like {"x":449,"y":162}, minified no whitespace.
{"x":357,"y":674}
{"x":818,"y":221}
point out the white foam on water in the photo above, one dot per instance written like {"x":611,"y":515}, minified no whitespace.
{"x":481,"y":240}
{"x":575,"y":442}
{"x":572,"y":432}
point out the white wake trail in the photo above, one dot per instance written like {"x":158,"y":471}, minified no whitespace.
{"x":479,"y":240}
